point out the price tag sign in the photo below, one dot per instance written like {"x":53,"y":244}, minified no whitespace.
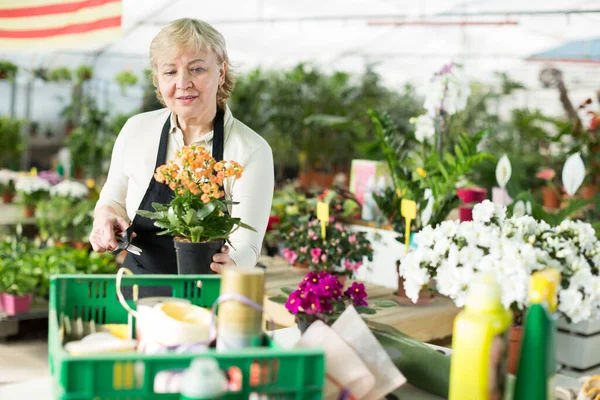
{"x":323,"y":216}
{"x":408,"y":209}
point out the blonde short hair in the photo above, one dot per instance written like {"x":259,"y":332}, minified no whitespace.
{"x":192,"y":34}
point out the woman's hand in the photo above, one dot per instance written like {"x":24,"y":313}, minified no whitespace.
{"x":106,"y":224}
{"x":222,"y":260}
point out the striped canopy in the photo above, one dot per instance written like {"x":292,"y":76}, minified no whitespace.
{"x":39,"y":24}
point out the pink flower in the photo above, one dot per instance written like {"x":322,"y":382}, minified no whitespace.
{"x":338,"y":226}
{"x":303,"y":249}
{"x":315,"y":237}
{"x":293,"y":302}
{"x":546,"y":174}
{"x":324,"y":257}
{"x":331,"y":219}
{"x":357,"y":293}
{"x":352,"y":266}
{"x":352,"y":238}
{"x":311,"y":232}
{"x":316,"y":252}
{"x":290,"y":255}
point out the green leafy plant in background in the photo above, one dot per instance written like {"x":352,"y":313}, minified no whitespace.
{"x":8,"y":70}
{"x":125,"y":79}
{"x":11,"y":142}
{"x":300,"y":111}
{"x":26,"y":266}
{"x":60,"y":74}
{"x":84,"y":73}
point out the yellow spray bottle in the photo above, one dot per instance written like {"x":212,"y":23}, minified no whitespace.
{"x":479,"y":343}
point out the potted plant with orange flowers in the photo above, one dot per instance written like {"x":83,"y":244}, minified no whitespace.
{"x":198,"y":215}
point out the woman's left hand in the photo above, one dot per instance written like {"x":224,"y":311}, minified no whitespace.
{"x":222,"y":260}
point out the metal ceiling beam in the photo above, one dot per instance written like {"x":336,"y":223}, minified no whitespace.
{"x":323,"y":18}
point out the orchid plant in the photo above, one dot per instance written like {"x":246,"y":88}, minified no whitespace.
{"x":429,"y":166}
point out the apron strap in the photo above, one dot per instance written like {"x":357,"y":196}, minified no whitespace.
{"x":218,"y":136}
{"x":161,"y":157}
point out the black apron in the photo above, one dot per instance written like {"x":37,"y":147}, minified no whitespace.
{"x":158,"y":251}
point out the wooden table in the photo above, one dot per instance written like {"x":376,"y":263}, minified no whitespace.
{"x":423,"y":322}
{"x":12,"y":214}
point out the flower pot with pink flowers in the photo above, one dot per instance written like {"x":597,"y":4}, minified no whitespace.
{"x":341,"y":252}
{"x":320,"y":296}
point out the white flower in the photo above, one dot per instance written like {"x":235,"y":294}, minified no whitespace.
{"x":72,"y":189}
{"x":32,"y":184}
{"x":512,"y":250}
{"x":7,"y":175}
{"x":424,"y":128}
{"x":425,"y":237}
{"x":484,"y":212}
{"x":447,"y":92}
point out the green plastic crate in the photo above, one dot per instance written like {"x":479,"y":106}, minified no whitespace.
{"x":293,"y":374}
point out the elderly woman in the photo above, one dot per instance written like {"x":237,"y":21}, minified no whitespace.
{"x":190,"y":70}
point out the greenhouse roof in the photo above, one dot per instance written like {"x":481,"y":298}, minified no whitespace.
{"x":405,"y":40}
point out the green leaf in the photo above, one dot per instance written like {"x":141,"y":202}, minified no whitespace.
{"x":279,"y":299}
{"x":205,"y":211}
{"x":190,"y":217}
{"x":172,"y":216}
{"x":147,"y":214}
{"x":449,"y":159}
{"x":365,"y":310}
{"x":459,"y":154}
{"x":384,"y":303}
{"x":443,"y":171}
{"x":287,"y":290}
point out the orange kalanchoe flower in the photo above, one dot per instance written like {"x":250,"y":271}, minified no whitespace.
{"x":195,"y":171}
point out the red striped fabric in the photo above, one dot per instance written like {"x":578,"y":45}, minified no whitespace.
{"x":63,"y":30}
{"x":58,"y":8}
{"x":53,"y":24}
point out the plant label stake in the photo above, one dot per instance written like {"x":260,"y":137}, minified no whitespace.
{"x":323,"y":216}
{"x":408,"y":209}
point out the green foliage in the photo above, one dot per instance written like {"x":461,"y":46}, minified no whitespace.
{"x":188,"y":217}
{"x":573,"y":207}
{"x":63,"y":219}
{"x":11,"y":142}
{"x":125,"y":79}
{"x":443,"y":171}
{"x":26,"y":267}
{"x":60,"y":74}
{"x":84,"y":73}
{"x":8,"y":70}
{"x":299,"y":112}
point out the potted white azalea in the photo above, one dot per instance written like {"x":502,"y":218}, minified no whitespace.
{"x":32,"y":190}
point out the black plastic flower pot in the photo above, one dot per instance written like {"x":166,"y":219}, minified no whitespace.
{"x":195,"y":258}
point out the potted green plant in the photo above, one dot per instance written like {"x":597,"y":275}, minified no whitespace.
{"x":550,"y":192}
{"x":84,"y":73}
{"x":125,"y":79}
{"x":32,"y":190}
{"x":83,"y":219}
{"x":7,"y":185}
{"x":8,"y":70}
{"x":60,"y":74}
{"x":11,"y":142}
{"x":17,"y":283}
{"x":198,"y":216}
